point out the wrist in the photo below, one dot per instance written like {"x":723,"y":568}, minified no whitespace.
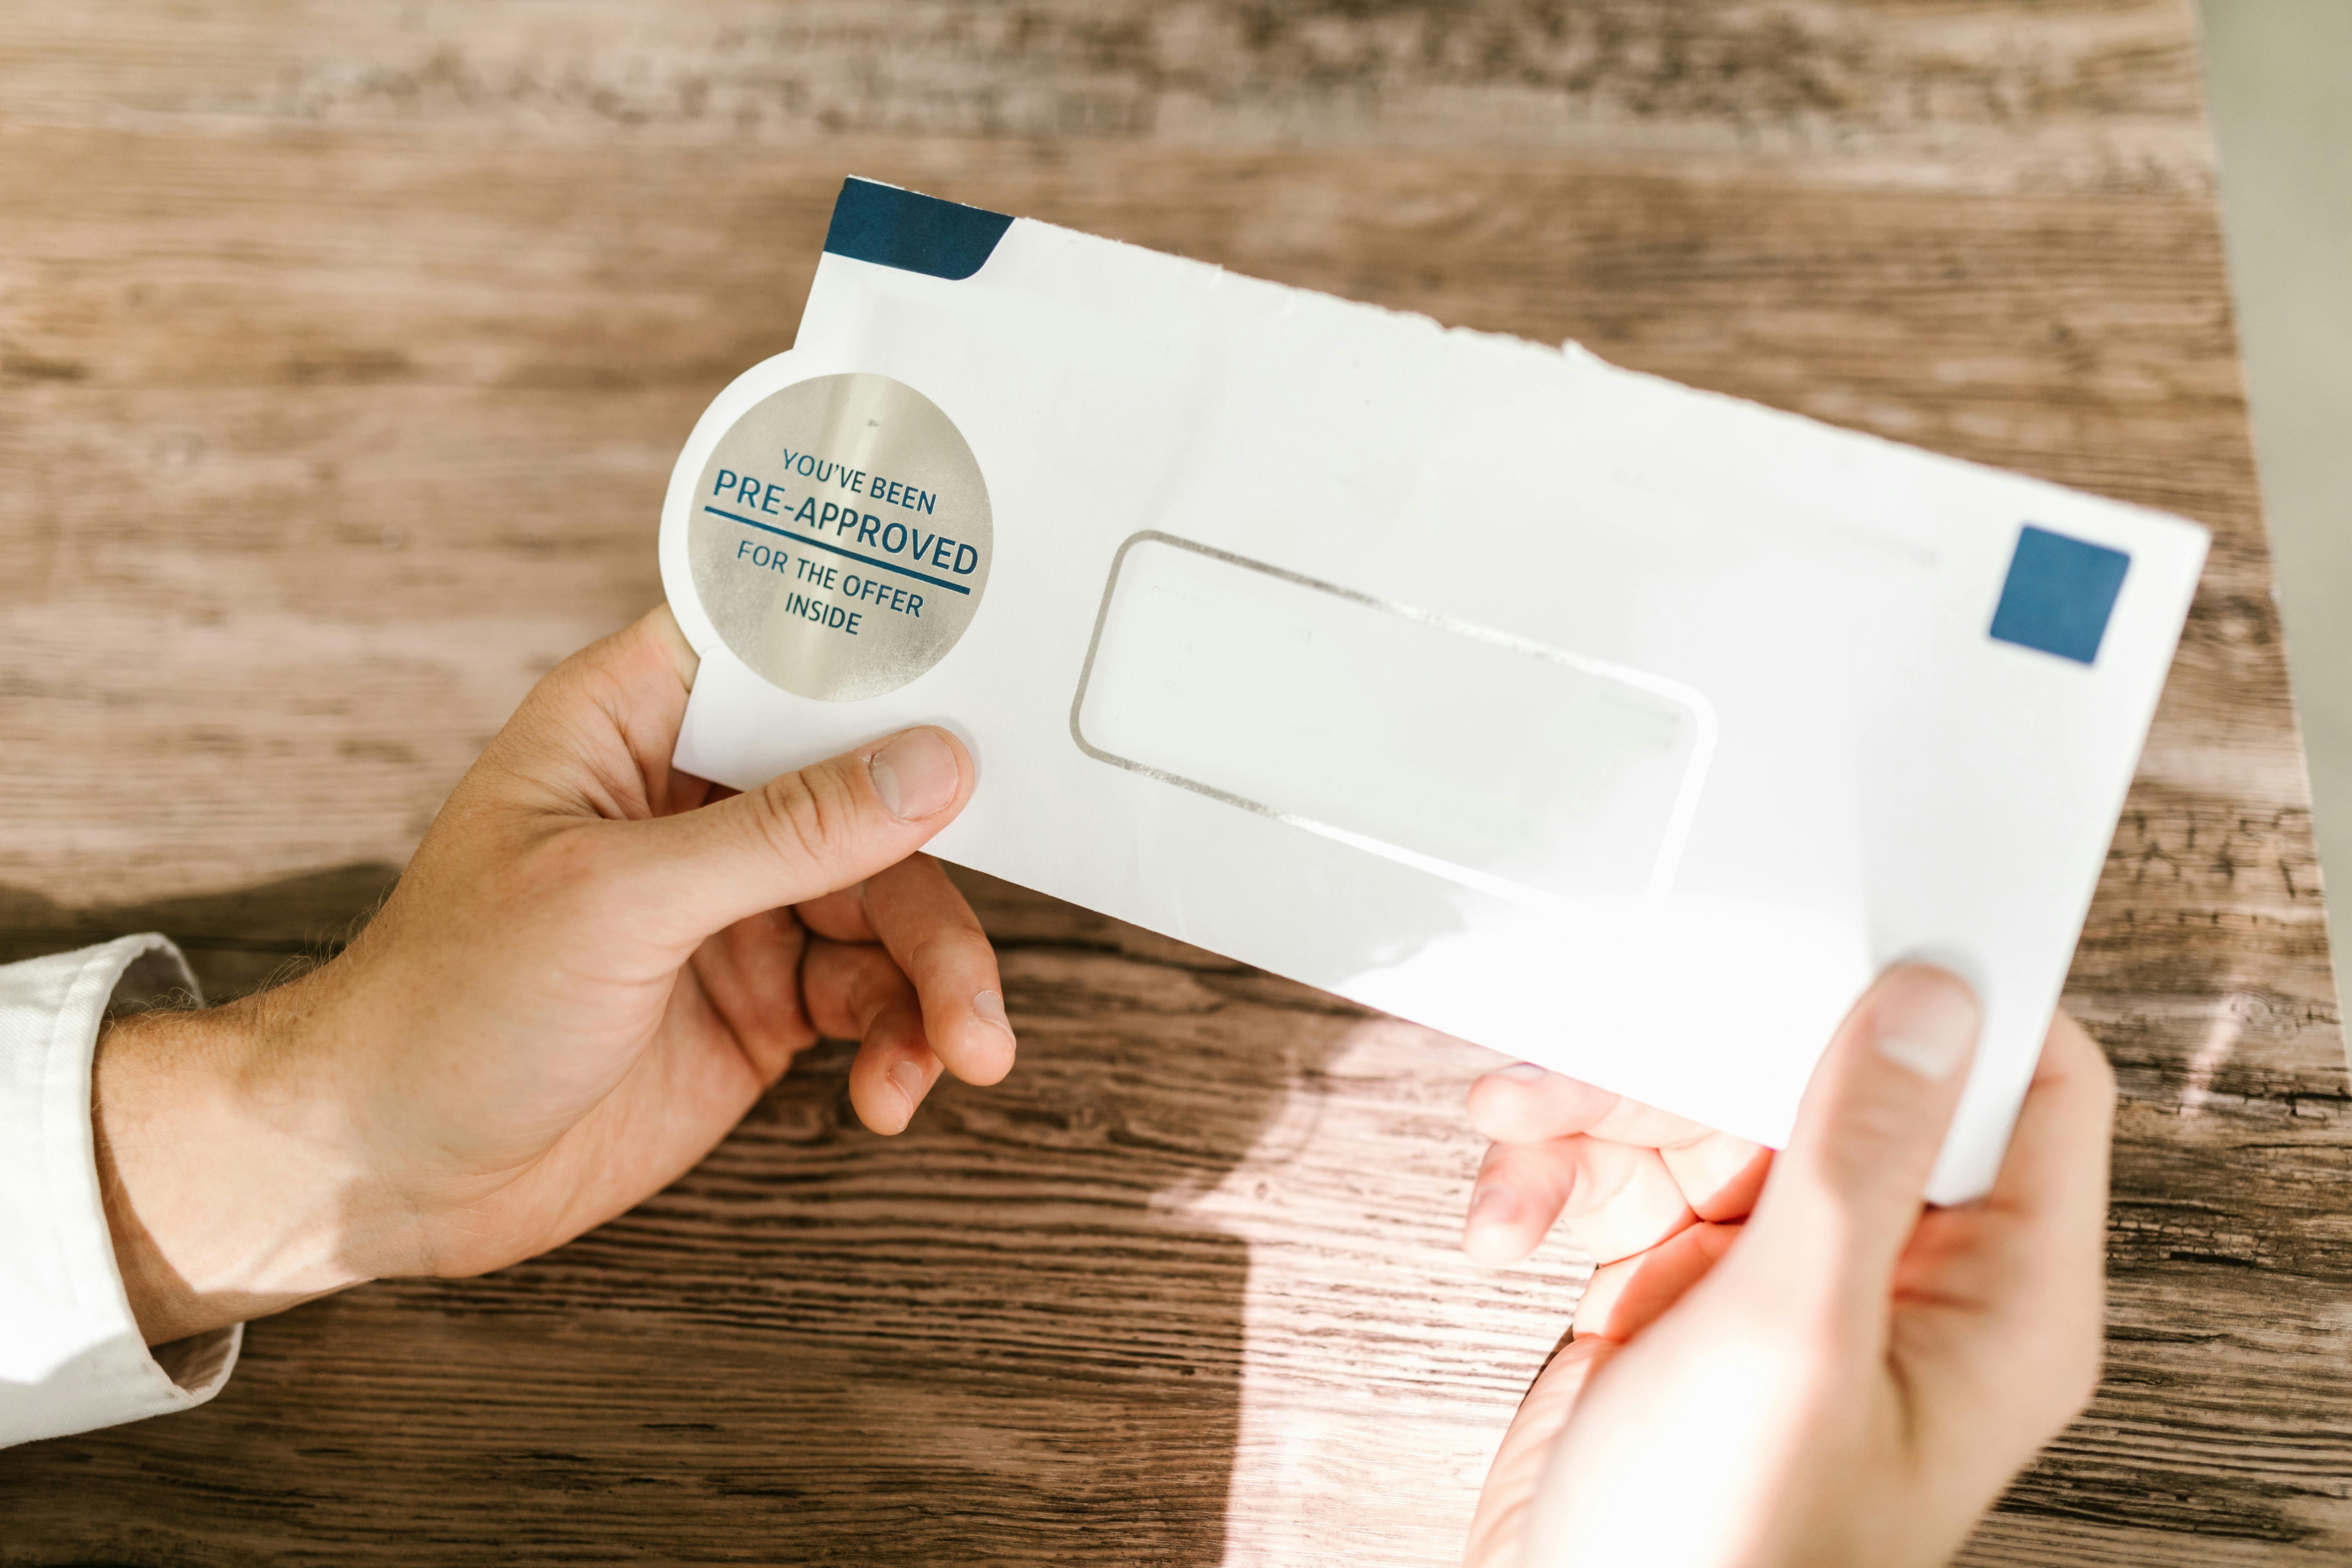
{"x":229,"y":1190}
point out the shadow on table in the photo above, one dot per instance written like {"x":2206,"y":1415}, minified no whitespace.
{"x":999,"y":1337}
{"x":237,"y":941}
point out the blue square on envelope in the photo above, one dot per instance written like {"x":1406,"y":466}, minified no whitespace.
{"x":2059,"y":594}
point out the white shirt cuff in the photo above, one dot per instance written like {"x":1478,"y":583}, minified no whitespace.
{"x":71,"y":1356}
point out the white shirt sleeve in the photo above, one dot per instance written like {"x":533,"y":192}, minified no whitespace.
{"x":71,"y":1356}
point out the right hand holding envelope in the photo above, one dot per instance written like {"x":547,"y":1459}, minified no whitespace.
{"x":1840,"y":1378}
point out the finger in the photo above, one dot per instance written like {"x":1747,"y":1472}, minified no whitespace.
{"x":923,"y":920}
{"x":2015,"y":1279}
{"x":1625,"y":1296}
{"x":893,"y":1070}
{"x":1719,"y":1174}
{"x":796,"y":837}
{"x":1524,"y":1103}
{"x":2057,"y":1161}
{"x":594,"y":738}
{"x":1619,"y":1200}
{"x":857,"y":993}
{"x":1515,"y":1479}
{"x":2051,"y":1195}
{"x":1845,"y":1195}
{"x":926,"y":925}
{"x":750,"y":972}
{"x":840,"y":915}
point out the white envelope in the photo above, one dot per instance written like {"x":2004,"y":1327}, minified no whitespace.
{"x":1617,"y":726}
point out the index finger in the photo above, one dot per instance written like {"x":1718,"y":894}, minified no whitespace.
{"x":2024,"y":1265}
{"x":2056,"y":1173}
{"x":918,"y":915}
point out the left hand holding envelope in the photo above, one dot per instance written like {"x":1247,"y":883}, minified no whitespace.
{"x":590,"y":969}
{"x":1782,"y":1361}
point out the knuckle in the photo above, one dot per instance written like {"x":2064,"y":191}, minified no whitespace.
{"x":924,"y":957}
{"x":1870,"y":1132}
{"x":803,"y":817}
{"x":941,"y":952}
{"x":1591,"y":1183}
{"x":1487,"y":1105}
{"x":583,"y":680}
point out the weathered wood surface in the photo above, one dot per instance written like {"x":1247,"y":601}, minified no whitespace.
{"x":343,"y":353}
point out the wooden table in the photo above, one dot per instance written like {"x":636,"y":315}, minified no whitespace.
{"x":343,"y":353}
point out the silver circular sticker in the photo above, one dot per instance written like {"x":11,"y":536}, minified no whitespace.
{"x":840,"y":536}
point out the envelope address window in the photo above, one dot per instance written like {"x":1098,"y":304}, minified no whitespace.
{"x":1514,"y":768}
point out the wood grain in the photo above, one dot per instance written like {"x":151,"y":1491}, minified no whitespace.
{"x":343,"y":353}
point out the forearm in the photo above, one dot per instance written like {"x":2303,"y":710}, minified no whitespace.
{"x":230,"y":1193}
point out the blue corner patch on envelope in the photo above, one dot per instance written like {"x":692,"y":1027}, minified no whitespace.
{"x":913,"y":233}
{"x":2059,"y":594}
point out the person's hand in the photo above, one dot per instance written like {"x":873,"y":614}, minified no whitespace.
{"x":1842,"y":1379}
{"x":590,"y":969}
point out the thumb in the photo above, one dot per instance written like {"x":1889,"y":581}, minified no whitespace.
{"x":799,"y":835}
{"x":1499,"y":1530}
{"x":1843,"y":1197}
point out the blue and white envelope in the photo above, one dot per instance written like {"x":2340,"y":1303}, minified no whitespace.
{"x":1620,"y":727}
